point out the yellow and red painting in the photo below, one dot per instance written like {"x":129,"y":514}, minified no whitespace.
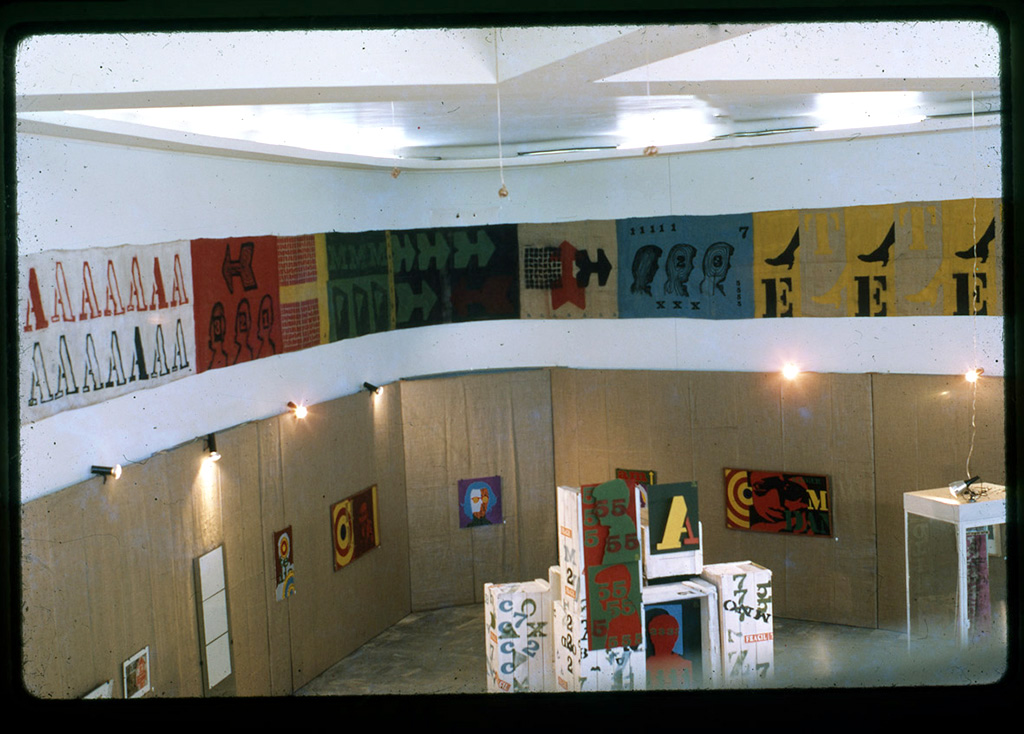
{"x":777,"y":502}
{"x":354,"y":526}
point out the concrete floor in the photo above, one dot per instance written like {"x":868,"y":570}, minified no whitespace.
{"x":442,"y":652}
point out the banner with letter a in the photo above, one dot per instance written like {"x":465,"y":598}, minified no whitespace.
{"x":102,"y":322}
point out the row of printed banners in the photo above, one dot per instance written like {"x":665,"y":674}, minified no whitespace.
{"x":97,"y":323}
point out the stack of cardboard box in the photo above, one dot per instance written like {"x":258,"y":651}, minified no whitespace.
{"x":630,"y":605}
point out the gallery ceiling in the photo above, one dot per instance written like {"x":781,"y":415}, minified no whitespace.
{"x":465,"y":97}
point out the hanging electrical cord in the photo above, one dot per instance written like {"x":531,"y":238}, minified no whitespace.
{"x":503,"y":191}
{"x":974,"y":290}
{"x":651,"y":149}
{"x":396,"y":170}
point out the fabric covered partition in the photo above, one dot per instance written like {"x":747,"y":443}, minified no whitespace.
{"x":875,"y":436}
{"x":107,"y":566}
{"x":340,"y":449}
{"x":472,"y":426}
{"x":922,"y":438}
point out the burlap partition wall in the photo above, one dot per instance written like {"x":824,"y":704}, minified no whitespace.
{"x":108,"y":566}
{"x":606,"y":420}
{"x":692,"y":425}
{"x":239,"y":524}
{"x":922,"y":440}
{"x":483,"y":425}
{"x":275,"y":517}
{"x":107,"y":570}
{"x":826,"y":429}
{"x":341,"y":448}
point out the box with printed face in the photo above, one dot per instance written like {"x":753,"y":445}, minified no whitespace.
{"x":681,"y":621}
{"x":599,"y":625}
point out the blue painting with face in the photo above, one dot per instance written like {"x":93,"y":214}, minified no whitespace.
{"x":686,"y":267}
{"x":480,"y":502}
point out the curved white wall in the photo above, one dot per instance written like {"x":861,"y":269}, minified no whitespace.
{"x":75,"y":194}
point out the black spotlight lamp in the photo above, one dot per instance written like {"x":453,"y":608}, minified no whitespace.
{"x":211,"y":448}
{"x":107,"y":471}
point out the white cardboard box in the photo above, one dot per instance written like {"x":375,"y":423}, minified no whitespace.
{"x":670,"y":547}
{"x":577,"y":667}
{"x":519,"y":641}
{"x":710,"y":648}
{"x":664,"y":565}
{"x":745,"y":621}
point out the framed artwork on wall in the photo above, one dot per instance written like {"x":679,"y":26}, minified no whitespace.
{"x":778,"y":502}
{"x":644,"y":477}
{"x":480,"y":502}
{"x":137,"y":681}
{"x":212,"y":609}
{"x":354,"y":526}
{"x":283,"y":564}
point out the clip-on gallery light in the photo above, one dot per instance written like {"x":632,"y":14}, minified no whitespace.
{"x":372,"y":388}
{"x":963,"y":489}
{"x":211,"y":448}
{"x":300,"y":411}
{"x":107,"y":471}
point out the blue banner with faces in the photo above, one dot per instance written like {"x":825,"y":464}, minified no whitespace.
{"x":686,"y":267}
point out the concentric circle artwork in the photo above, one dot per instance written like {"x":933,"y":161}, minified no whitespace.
{"x":738,"y":498}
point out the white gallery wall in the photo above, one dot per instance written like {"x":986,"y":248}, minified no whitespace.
{"x":76,"y":194}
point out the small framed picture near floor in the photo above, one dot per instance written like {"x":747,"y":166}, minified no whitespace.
{"x":136,"y":674}
{"x":214,"y":636}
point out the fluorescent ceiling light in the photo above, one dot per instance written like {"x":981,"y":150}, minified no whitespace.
{"x":562,"y":151}
{"x":848,"y":110}
{"x":661,"y":127}
{"x":366,"y":130}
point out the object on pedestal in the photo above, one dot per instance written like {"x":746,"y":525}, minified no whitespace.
{"x":939,"y":525}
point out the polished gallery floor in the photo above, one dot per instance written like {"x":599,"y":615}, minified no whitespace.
{"x":442,"y":652}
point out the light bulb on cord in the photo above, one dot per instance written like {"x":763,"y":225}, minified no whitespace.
{"x":790,"y":371}
{"x":973,"y":374}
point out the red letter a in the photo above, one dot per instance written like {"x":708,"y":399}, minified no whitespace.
{"x":35,"y":303}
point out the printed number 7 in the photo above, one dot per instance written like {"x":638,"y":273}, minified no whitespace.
{"x":743,"y":231}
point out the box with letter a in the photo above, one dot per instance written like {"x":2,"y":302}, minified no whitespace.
{"x":519,"y":642}
{"x":671,"y":531}
{"x":745,"y":620}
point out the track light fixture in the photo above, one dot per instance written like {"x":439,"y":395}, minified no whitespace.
{"x":211,"y":447}
{"x":372,"y":388}
{"x":107,"y":471}
{"x":300,"y":411}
